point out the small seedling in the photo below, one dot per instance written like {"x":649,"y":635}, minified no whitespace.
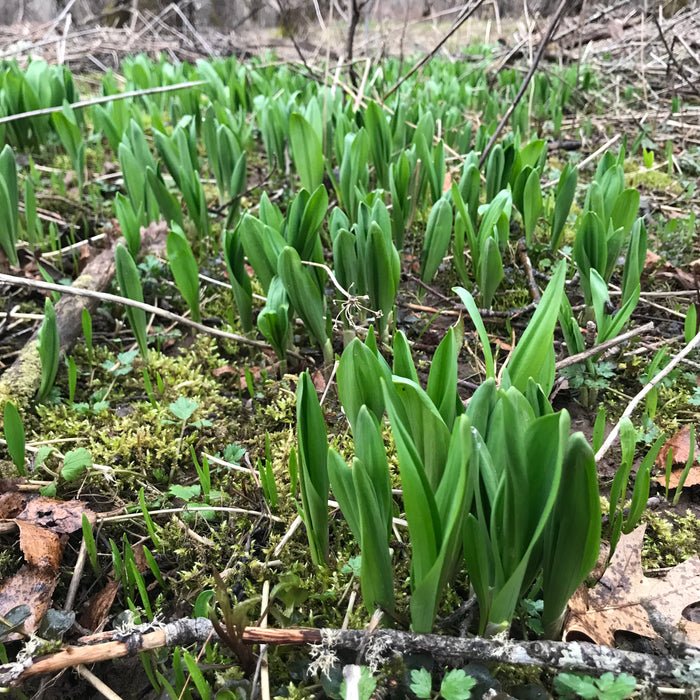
{"x":14,"y":436}
{"x":607,"y":687}
{"x":456,"y":684}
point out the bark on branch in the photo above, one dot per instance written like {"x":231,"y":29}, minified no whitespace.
{"x":452,"y":651}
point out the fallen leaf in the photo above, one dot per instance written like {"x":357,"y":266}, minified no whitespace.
{"x":40,"y":546}
{"x":447,"y":183}
{"x":664,"y":270}
{"x":680,"y":444}
{"x":98,"y":606}
{"x":57,"y":516}
{"x":621,"y":599}
{"x":225,"y":369}
{"x":32,"y":586}
{"x":319,"y":381}
{"x":12,"y":504}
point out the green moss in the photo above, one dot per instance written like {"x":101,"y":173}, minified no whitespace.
{"x":670,"y":539}
{"x":654,"y":181}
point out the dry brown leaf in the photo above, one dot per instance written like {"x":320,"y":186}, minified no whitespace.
{"x":41,"y":547}
{"x":12,"y":504}
{"x":664,"y":270}
{"x":319,"y":381}
{"x":32,"y":586}
{"x":620,"y":600}
{"x":680,"y":444}
{"x":98,"y":606}
{"x":57,"y":516}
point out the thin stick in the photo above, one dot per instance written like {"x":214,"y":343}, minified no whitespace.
{"x":102,"y":100}
{"x":533,"y":67}
{"x":647,"y":388}
{"x":77,"y":575}
{"x":468,"y":12}
{"x":96,"y":683}
{"x":104,"y":296}
{"x":605,"y":345}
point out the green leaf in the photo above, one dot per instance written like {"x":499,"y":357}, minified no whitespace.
{"x":313,"y":454}
{"x":457,"y":685}
{"x":437,"y":239}
{"x":75,"y":463}
{"x":183,"y":408}
{"x":473,"y":311}
{"x":49,"y":348}
{"x":341,"y":480}
{"x":421,"y":683}
{"x":532,"y":202}
{"x":572,"y":536}
{"x":306,"y":298}
{"x":200,"y":682}
{"x":240,"y":281}
{"x":14,"y":436}
{"x":358,"y":376}
{"x":130,"y":286}
{"x":185,"y":270}
{"x":307,"y":151}
{"x":490,"y":271}
{"x":9,"y":204}
{"x":590,"y":251}
{"x":533,"y":348}
{"x":442,"y":380}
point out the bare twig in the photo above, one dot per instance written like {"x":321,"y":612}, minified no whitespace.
{"x":467,"y":13}
{"x":526,"y":81}
{"x":602,"y":347}
{"x":641,"y":395}
{"x":102,"y":100}
{"x":693,"y":86}
{"x":76,"y":291}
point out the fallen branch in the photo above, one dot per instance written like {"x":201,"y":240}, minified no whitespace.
{"x":382,"y":644}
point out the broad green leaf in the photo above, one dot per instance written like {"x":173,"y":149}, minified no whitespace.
{"x":533,"y":347}
{"x":130,"y":286}
{"x":313,"y":454}
{"x":307,"y":151}
{"x":566,"y":189}
{"x":14,"y":436}
{"x":437,"y":239}
{"x":473,"y":311}
{"x":49,"y":347}
{"x":75,"y":463}
{"x":305,"y":297}
{"x":238,"y":276}
{"x":185,"y":270}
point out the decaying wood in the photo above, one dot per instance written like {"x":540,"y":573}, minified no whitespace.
{"x":381,"y":645}
{"x":21,"y":380}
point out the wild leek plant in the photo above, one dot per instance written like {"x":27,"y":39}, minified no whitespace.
{"x":185,"y":269}
{"x":273,"y":321}
{"x":437,"y":239}
{"x":66,"y":124}
{"x":363,"y":492}
{"x":313,"y":474}
{"x":14,"y":436}
{"x":130,"y":286}
{"x":129,"y":221}
{"x":533,"y":356}
{"x":9,"y":202}
{"x":563,"y":199}
{"x":134,"y":159}
{"x":526,"y":518}
{"x":240,"y":281}
{"x":307,"y":151}
{"x":49,"y":348}
{"x":306,"y":298}
{"x":180,"y":156}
